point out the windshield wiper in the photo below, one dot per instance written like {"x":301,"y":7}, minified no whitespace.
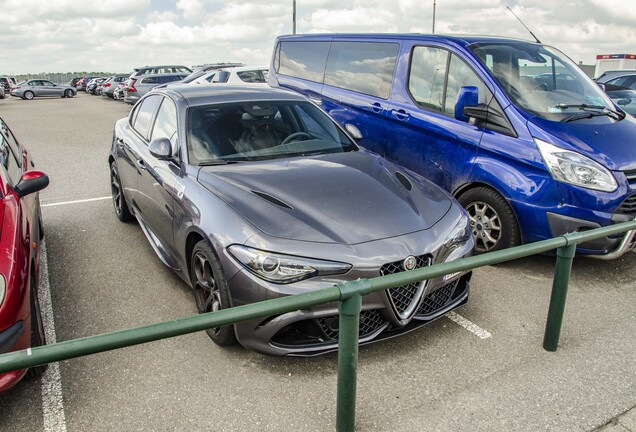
{"x":598,"y":111}
{"x":218,"y":162}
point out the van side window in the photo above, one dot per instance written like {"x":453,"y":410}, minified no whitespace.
{"x":427,"y":75}
{"x":362,"y":67}
{"x":304,"y":60}
{"x":459,"y":74}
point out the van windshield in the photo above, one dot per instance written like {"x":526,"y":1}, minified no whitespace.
{"x":544,"y":82}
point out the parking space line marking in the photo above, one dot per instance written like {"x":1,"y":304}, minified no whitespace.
{"x":471,"y":327}
{"x":76,"y":201}
{"x":52,"y":399}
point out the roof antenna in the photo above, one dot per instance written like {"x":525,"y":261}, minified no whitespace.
{"x":535,"y":38}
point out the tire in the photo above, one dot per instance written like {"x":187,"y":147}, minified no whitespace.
{"x":492,"y":220}
{"x":38,"y":337}
{"x":68,"y":93}
{"x":119,"y":200}
{"x":28,"y":95}
{"x":210,"y":289}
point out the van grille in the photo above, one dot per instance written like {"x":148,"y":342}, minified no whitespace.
{"x":628,"y":206}
{"x":631,"y":177}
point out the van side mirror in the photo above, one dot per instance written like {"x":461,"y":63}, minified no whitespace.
{"x":468,"y":96}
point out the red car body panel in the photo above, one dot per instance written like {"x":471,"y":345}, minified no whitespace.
{"x":19,"y":261}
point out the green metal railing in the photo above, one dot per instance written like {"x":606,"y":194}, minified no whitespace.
{"x":349,"y":294}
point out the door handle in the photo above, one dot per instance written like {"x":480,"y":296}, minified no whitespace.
{"x":141,"y":164}
{"x":400,"y":114}
{"x":376,"y":107}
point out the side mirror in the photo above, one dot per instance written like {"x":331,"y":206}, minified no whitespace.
{"x":161,"y":148}
{"x":354,"y":132}
{"x":468,"y":96}
{"x":30,"y":182}
{"x":602,"y":86}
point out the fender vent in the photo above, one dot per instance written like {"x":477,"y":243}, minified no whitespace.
{"x":272,"y":199}
{"x":405,"y":182}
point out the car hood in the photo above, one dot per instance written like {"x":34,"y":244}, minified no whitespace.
{"x":609,"y":142}
{"x":345,"y":198}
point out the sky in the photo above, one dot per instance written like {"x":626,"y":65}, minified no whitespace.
{"x":118,"y":35}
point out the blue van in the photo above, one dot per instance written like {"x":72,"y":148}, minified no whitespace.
{"x":515,"y":130}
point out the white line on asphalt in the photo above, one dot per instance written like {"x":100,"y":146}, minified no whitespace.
{"x":76,"y":202}
{"x":471,"y":327}
{"x":52,"y":400}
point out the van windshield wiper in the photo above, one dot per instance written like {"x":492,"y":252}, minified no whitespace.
{"x":590,"y":111}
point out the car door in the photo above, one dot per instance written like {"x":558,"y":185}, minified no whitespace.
{"x":50,"y":89}
{"x":129,"y":140}
{"x":423,"y":133}
{"x":159,"y":184}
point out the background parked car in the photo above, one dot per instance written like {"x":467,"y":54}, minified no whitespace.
{"x":38,"y":87}
{"x":2,"y":94}
{"x":6,"y":83}
{"x":625,"y":98}
{"x":241,"y":75}
{"x":203,"y":70}
{"x":81,"y":84}
{"x":617,"y":77}
{"x":138,"y":87}
{"x":20,"y":319}
{"x":93,"y":86}
{"x":110,"y":85}
{"x":256,"y":216}
{"x":73,"y":82}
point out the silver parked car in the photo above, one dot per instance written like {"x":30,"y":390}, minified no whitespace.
{"x":39,"y":87}
{"x":250,"y":193}
{"x":137,"y":87}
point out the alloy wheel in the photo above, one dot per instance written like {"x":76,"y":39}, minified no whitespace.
{"x":206,"y":290}
{"x":485,"y":225}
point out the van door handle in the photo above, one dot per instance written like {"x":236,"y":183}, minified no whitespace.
{"x":376,"y":107}
{"x":400,"y":114}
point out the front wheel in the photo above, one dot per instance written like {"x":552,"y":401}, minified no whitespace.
{"x":68,"y":93}
{"x":38,"y":337}
{"x":210,"y":290}
{"x":492,"y":220}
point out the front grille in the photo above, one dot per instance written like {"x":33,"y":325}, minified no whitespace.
{"x":370,"y":321}
{"x":402,"y":297}
{"x":628,"y":206}
{"x":437,"y":299}
{"x":631,"y":176}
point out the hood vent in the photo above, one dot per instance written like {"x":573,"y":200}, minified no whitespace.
{"x":405,"y":182}
{"x":271,"y":199}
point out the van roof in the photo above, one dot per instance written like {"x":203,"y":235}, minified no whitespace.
{"x":458,"y":39}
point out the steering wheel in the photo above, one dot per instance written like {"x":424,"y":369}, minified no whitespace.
{"x":295,"y":135}
{"x":541,"y":86}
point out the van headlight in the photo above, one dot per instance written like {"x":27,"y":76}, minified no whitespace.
{"x":283,"y":269}
{"x":574,"y":168}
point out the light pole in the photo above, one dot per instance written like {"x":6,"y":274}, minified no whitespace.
{"x":294,"y":16}
{"x":434,"y":4}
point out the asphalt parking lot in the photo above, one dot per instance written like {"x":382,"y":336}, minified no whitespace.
{"x":482,"y":369}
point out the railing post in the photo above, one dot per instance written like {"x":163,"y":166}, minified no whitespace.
{"x":565,"y":256}
{"x":348,"y":362}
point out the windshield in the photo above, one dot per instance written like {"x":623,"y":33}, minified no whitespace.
{"x":262,"y":130}
{"x":543,"y":81}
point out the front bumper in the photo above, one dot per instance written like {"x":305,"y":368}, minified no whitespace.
{"x":9,"y":341}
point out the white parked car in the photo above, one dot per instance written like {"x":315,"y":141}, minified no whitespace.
{"x":234,"y":75}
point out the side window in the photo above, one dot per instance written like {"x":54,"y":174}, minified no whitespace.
{"x":166,"y":123}
{"x":150,"y":80}
{"x":427,"y":75}
{"x":364,"y":67}
{"x":303,"y":59}
{"x":143,"y":117}
{"x":9,"y":161}
{"x":460,"y":74}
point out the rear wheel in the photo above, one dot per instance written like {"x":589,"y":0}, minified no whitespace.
{"x":28,"y":95}
{"x":68,"y":93}
{"x":210,"y":289}
{"x":117,"y":191}
{"x":37,"y":330}
{"x":492,"y":220}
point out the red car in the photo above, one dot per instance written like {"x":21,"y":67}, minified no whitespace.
{"x":20,"y":236}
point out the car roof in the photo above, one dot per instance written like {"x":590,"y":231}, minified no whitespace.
{"x":228,"y":93}
{"x":242,"y":68}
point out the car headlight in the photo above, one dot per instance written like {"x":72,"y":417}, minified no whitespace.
{"x":283,"y":269}
{"x":460,"y":234}
{"x":574,"y":168}
{"x":3,"y":289}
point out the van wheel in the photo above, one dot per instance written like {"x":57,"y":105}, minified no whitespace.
{"x":492,"y":220}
